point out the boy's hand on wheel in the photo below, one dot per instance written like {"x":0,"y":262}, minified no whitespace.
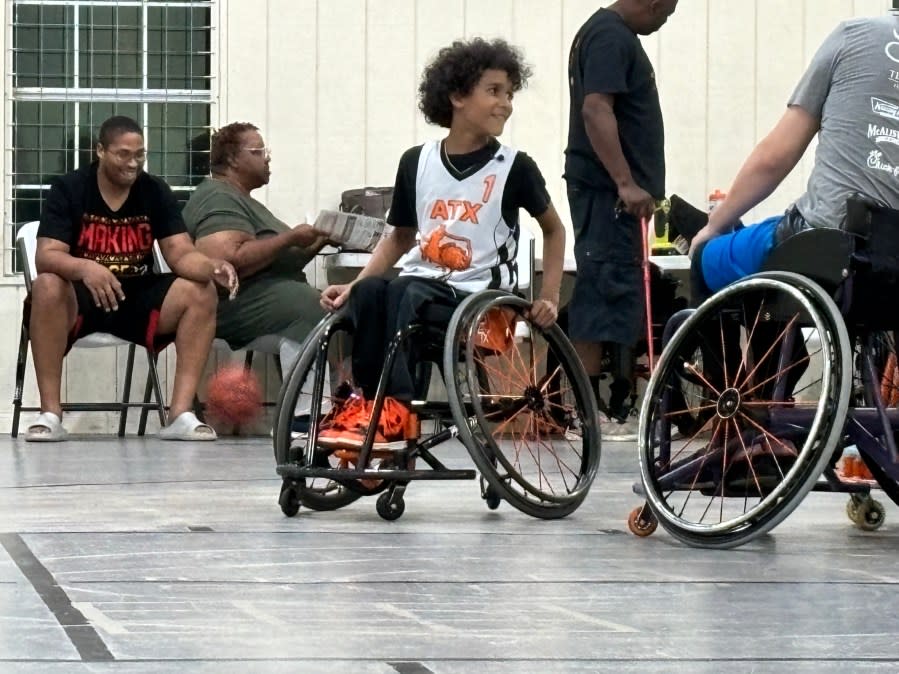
{"x":543,"y":312}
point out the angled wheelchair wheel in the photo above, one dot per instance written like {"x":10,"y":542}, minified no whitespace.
{"x":522,"y":404}
{"x":877,"y":350}
{"x":297,"y":401}
{"x":767,"y":364}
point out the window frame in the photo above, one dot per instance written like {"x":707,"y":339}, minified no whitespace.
{"x":77,"y":95}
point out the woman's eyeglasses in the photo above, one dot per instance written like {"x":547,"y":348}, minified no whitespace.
{"x":264,"y":151}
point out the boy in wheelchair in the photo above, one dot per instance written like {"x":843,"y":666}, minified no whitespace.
{"x":455,"y":216}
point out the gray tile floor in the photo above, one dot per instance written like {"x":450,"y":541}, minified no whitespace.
{"x":140,"y":556}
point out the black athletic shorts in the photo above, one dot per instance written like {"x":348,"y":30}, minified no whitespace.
{"x":607,"y":304}
{"x":137,"y":317}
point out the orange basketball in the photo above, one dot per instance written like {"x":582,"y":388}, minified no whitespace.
{"x":234,"y":395}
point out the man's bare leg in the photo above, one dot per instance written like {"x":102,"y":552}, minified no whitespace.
{"x":54,"y":310}
{"x":590,"y":354}
{"x":188,"y":311}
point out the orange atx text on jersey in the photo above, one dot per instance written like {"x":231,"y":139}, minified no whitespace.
{"x":455,"y":209}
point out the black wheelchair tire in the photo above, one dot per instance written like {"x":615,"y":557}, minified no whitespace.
{"x":485,"y":455}
{"x":830,"y":421}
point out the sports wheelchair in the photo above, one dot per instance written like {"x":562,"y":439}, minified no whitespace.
{"x":759,"y":390}
{"x":516,"y":396}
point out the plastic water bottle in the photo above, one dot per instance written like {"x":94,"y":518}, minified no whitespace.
{"x":716,"y":198}
{"x":852,"y":466}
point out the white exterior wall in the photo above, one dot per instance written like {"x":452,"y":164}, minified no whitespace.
{"x":332,"y":84}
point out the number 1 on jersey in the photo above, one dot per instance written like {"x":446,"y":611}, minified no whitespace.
{"x":489,"y":182}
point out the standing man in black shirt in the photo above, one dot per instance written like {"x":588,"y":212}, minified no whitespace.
{"x":95,"y":274}
{"x":615,"y":170}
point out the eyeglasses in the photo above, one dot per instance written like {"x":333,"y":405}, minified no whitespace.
{"x":125,"y":157}
{"x":264,"y":151}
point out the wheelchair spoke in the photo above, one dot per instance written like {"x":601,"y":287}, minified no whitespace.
{"x":693,"y":370}
{"x":502,"y":375}
{"x":701,"y":408}
{"x":748,"y":457}
{"x":803,"y":361}
{"x":565,"y":470}
{"x":750,"y":333}
{"x":770,"y":350}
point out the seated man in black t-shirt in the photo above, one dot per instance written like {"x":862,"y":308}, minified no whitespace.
{"x":95,"y":274}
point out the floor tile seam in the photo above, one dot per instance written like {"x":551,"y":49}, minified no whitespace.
{"x":64,"y":485}
{"x":448,"y":660}
{"x":267,"y":532}
{"x":82,"y":635}
{"x":412,"y":581}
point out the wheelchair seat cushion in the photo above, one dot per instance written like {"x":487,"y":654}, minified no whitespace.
{"x":821,"y":254}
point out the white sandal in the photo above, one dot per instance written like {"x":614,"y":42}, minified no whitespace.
{"x":187,"y":427}
{"x":47,"y":428}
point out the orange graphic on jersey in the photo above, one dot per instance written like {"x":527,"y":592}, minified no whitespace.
{"x":442,"y":250}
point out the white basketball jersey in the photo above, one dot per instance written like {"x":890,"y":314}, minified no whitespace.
{"x":462,"y":237}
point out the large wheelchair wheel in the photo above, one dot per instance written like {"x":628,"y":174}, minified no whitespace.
{"x":768,"y":363}
{"x":523,"y":405}
{"x":297,"y":397}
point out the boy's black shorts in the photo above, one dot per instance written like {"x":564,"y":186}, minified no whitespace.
{"x":137,"y":317}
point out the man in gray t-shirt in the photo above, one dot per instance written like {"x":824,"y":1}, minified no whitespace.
{"x":849,"y":98}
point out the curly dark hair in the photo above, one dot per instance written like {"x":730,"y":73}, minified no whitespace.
{"x":226,"y":143}
{"x":458,"y":68}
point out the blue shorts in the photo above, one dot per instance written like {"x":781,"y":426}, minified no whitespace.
{"x":733,"y":256}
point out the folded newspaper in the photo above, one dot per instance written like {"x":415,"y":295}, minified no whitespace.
{"x":351,"y":231}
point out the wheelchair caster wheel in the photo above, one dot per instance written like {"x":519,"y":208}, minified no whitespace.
{"x":289,"y":500}
{"x":870,"y":515}
{"x":852,"y":506}
{"x":390,"y":508}
{"x":642,"y":522}
{"x":489,"y":495}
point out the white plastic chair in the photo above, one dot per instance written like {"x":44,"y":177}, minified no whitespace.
{"x":26,"y":243}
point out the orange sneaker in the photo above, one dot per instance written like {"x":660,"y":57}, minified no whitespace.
{"x":349,"y":425}
{"x":341,"y":417}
